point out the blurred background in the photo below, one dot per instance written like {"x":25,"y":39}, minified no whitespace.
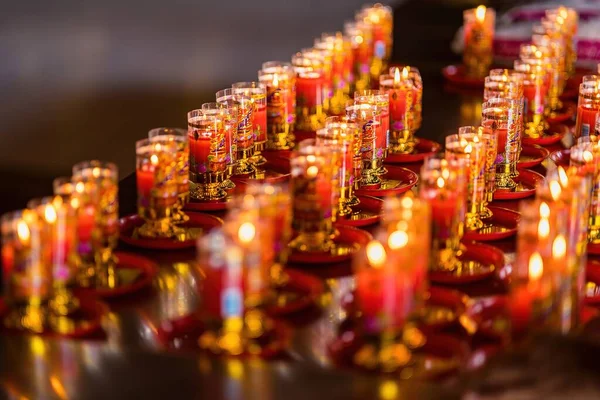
{"x":85,"y":79}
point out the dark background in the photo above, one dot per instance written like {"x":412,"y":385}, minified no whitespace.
{"x":85,"y":79}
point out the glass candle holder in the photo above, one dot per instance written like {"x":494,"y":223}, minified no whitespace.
{"x":106,"y":177}
{"x":471,"y":150}
{"x":345,"y":124}
{"x":586,"y":158}
{"x":404,"y":106}
{"x":63,"y":186}
{"x":341,"y":140}
{"x":361,"y":54}
{"x":322,"y":59}
{"x":59,"y":223}
{"x":281,"y":105}
{"x":503,"y":83}
{"x":544,"y":54}
{"x":342,"y":61}
{"x":27,"y":275}
{"x":381,"y":100}
{"x":156,"y":166}
{"x":379,"y":23}
{"x":312,"y":199}
{"x":258,"y":93}
{"x":478,"y":31}
{"x":535,"y":91}
{"x":339,"y":91}
{"x":209,"y":161}
{"x":310,"y":115}
{"x":588,"y":107}
{"x":245,"y":128}
{"x":180,"y":138}
{"x":503,"y":118}
{"x":226,"y":114}
{"x":414,"y":76}
{"x":368,"y":118}
{"x":443,"y":186}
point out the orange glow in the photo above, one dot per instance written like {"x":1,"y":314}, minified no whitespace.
{"x":480,"y":13}
{"x":536,"y":266}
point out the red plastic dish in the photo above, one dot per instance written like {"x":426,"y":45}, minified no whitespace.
{"x":592,"y":274}
{"x":501,"y":225}
{"x":526,"y":182}
{"x":489,"y":257}
{"x":276,"y":169}
{"x":307,"y":288}
{"x":552,"y":136}
{"x":197,"y":220}
{"x":396,"y":181}
{"x":303,"y":135}
{"x":567,"y":112}
{"x":368,"y":212}
{"x":423,"y":149}
{"x":561,"y":157}
{"x":213,"y":205}
{"x":451,"y":299}
{"x":593,"y":249}
{"x":271,"y":154}
{"x":532,"y":155}
{"x":455,"y":74}
{"x":127,"y":264}
{"x":348,"y":237}
{"x":89,"y":318}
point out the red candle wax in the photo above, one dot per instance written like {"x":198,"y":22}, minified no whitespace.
{"x":502,"y":134}
{"x":586,"y":121}
{"x":202,"y":150}
{"x":398,"y":104}
{"x":260,"y":125}
{"x":534,"y":96}
{"x":86,"y":221}
{"x":443,"y":212}
{"x":382,"y":134}
{"x":309,"y":90}
{"x":383,"y":292}
{"x":324,"y":194}
{"x":521,"y":307}
{"x":8,"y":260}
{"x":145,"y":181}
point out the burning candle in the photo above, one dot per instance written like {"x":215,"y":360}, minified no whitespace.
{"x":404,"y":97}
{"x":478,"y":31}
{"x":588,"y":108}
{"x":281,"y":104}
{"x":525,"y":296}
{"x":368,"y":118}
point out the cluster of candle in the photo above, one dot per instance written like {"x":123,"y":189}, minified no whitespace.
{"x":241,"y":264}
{"x":59,"y":242}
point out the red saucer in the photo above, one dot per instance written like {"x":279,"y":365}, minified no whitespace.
{"x":501,"y":225}
{"x":213,"y":205}
{"x":532,"y":156}
{"x":272,"y":154}
{"x":276,"y":169}
{"x":440,"y":297}
{"x":368,"y":212}
{"x":89,"y":318}
{"x":201,"y":221}
{"x":350,"y":240}
{"x":553,"y":135}
{"x":491,"y":259}
{"x":566,"y":113}
{"x":305,"y":290}
{"x":593,"y":249}
{"x":455,"y":74}
{"x":303,"y":135}
{"x":396,"y":181}
{"x":526,"y":182}
{"x":136,"y":273}
{"x":423,"y":149}
{"x":561,"y":157}
{"x":592,"y":275}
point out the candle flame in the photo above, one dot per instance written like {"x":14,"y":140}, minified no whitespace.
{"x":398,"y":239}
{"x":79,"y":187}
{"x":406,"y":202}
{"x":543,"y":228}
{"x":247,"y":232}
{"x":559,"y":247}
{"x":310,"y":158}
{"x":555,"y":190}
{"x":396,"y":76}
{"x":405,"y":73}
{"x":154,"y":159}
{"x":96,"y":172}
{"x":312,"y":171}
{"x":23,"y":231}
{"x":50,"y":214}
{"x":440,"y":182}
{"x":563,"y":177}
{"x":544,"y":210}
{"x":376,"y":254}
{"x":536,"y":266}
{"x":480,"y":13}
{"x":588,"y":156}
{"x":275,"y":80}
{"x":74,"y":202}
{"x":469,"y":148}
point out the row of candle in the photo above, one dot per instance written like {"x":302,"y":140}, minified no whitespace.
{"x":59,"y":242}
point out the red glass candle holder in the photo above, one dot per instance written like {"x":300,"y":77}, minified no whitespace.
{"x":504,"y":118}
{"x":381,"y":100}
{"x":340,"y":138}
{"x":503,"y":83}
{"x":310,"y":93}
{"x":279,"y":79}
{"x":542,"y":52}
{"x":245,"y":127}
{"x":443,"y":186}
{"x":156,"y":166}
{"x":27,"y":275}
{"x":59,"y":223}
{"x":471,"y":150}
{"x":180,"y":138}
{"x":368,"y":118}
{"x":378,"y":21}
{"x":258,"y":93}
{"x":361,"y":54}
{"x":405,"y":108}
{"x":209,"y":161}
{"x":342,"y":124}
{"x":414,"y":76}
{"x":312,"y":198}
{"x":227,"y":115}
{"x":478,"y":31}
{"x":535,"y":91}
{"x":322,"y":60}
{"x":588,"y":108}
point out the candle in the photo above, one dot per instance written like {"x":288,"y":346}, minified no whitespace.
{"x":524,"y":297}
{"x":478,"y":37}
{"x":588,"y":108}
{"x":208,"y":151}
{"x":258,"y":93}
{"x":281,"y":104}
{"x":309,"y":89}
{"x":403,"y":98}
